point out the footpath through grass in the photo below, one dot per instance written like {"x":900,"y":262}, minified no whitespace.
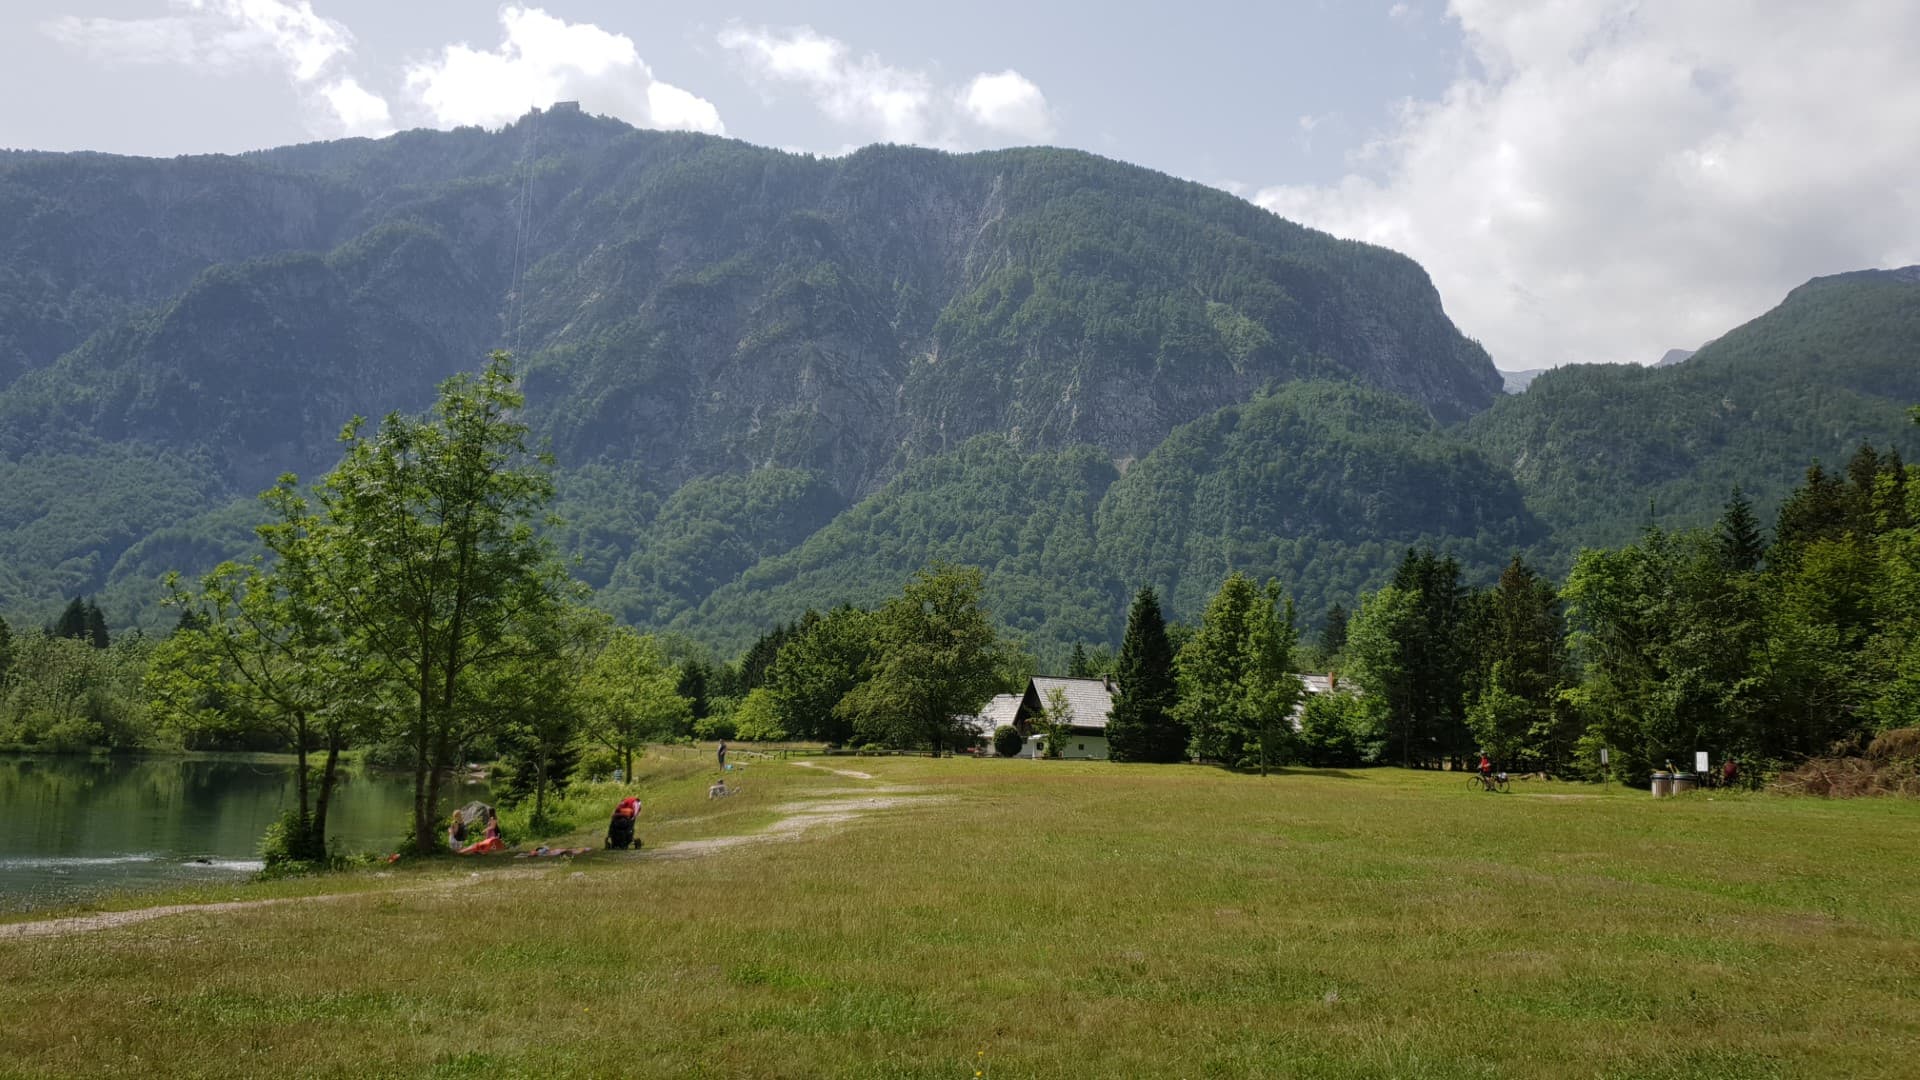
{"x":1053,"y":919}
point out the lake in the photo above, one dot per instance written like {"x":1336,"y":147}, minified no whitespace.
{"x":73,"y":826}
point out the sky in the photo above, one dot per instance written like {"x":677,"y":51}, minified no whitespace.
{"x":1584,"y":180}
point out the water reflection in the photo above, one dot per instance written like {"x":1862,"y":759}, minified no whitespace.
{"x":75,"y":826}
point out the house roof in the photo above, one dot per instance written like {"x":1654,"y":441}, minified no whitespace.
{"x":998,"y":712}
{"x":1090,"y":699}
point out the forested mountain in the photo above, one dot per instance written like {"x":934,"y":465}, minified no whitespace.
{"x":772,"y":381}
{"x":685,"y":308}
{"x":1600,"y":450}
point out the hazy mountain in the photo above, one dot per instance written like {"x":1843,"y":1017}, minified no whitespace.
{"x":1674,"y":356}
{"x":1513,"y":382}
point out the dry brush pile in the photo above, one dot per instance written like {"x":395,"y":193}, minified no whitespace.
{"x":1890,"y":765}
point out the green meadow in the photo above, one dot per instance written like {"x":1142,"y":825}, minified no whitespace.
{"x":1006,"y":918}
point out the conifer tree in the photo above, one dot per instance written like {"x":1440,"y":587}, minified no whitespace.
{"x":1077,"y":666}
{"x":693,"y":687}
{"x":97,"y":626}
{"x":1142,"y":727}
{"x":1742,"y":545}
{"x":6,"y":651}
{"x":73,"y":620}
{"x":1333,"y":631}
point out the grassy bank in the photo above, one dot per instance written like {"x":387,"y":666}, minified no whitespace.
{"x":1058,"y":919}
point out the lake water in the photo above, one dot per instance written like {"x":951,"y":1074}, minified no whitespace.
{"x":71,"y":827}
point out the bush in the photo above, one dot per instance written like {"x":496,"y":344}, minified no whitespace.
{"x":1007,"y":741}
{"x":1336,"y":730}
{"x":713,"y":727}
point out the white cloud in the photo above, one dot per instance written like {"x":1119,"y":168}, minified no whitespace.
{"x":1008,"y":102}
{"x":889,"y":103}
{"x":226,"y":36}
{"x":542,"y":59}
{"x":358,"y":109}
{"x":1612,"y":178}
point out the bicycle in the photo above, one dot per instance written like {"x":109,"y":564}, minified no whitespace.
{"x":1496,"y":783}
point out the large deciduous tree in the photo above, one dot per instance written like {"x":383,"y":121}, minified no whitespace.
{"x":1236,"y":679}
{"x":259,"y":647}
{"x":822,"y":663}
{"x":937,"y":660}
{"x":433,"y":560}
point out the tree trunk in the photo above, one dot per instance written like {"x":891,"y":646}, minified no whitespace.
{"x":302,"y":847}
{"x":423,"y":839}
{"x":328,"y":774}
{"x":540,"y":792}
{"x":437,"y":768}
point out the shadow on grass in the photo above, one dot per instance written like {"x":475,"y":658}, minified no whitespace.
{"x":1287,"y":770}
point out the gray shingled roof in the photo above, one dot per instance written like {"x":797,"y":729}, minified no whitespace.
{"x":1091,"y":701}
{"x":997,"y":713}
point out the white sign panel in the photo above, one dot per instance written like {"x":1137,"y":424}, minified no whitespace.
{"x":1700,"y":761}
{"x":1603,"y":755}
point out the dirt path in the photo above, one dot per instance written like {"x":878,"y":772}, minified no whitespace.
{"x":836,"y":772}
{"x":107,"y":920}
{"x":801,"y":817}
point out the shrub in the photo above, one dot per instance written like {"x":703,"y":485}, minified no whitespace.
{"x":1007,"y":741}
{"x":715,"y":726}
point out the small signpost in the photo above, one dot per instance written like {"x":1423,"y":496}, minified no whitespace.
{"x":1605,"y":773}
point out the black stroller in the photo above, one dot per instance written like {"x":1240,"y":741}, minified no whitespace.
{"x":620,"y":830}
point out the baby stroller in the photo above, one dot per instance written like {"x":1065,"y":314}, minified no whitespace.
{"x":620,"y":830}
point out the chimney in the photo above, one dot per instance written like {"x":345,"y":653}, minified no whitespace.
{"x":1107,"y":681}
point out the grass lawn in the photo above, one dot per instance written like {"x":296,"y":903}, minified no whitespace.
{"x":1018,"y":918}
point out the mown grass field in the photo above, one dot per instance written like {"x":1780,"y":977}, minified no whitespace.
{"x":1014,"y":918}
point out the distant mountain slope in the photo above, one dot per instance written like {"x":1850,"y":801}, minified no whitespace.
{"x":1322,"y":485}
{"x":1598,"y":449}
{"x":686,"y":307}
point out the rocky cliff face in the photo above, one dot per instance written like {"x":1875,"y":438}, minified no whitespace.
{"x":689,"y":305}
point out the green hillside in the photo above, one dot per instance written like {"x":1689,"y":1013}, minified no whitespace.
{"x":1601,"y":449}
{"x":685,"y":308}
{"x":773,"y":382}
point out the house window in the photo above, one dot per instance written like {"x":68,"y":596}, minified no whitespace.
{"x":1083,"y":746}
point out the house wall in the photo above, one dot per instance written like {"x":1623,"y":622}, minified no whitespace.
{"x":1081,"y":747}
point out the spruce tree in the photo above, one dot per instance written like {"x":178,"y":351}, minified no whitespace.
{"x":1738,"y":535}
{"x":73,"y":621}
{"x":1142,"y":727}
{"x":6,"y":651}
{"x":1333,"y":632}
{"x":693,"y":687}
{"x":1077,"y":666}
{"x":96,"y":626}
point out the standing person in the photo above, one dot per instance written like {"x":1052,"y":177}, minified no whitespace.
{"x":1729,"y":773}
{"x":1486,"y":766}
{"x":723,"y":754}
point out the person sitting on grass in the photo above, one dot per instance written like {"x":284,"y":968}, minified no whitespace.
{"x":620,"y":828}
{"x":489,"y":843}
